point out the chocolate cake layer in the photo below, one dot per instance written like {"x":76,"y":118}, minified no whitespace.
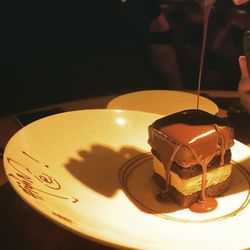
{"x":190,"y":137}
{"x":212,"y":191}
{"x":196,"y":169}
{"x":187,"y":200}
{"x":192,"y":171}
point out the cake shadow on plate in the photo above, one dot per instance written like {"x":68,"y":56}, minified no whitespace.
{"x":98,"y":167}
{"x":106,"y":170}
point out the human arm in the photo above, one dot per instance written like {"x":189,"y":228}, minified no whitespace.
{"x":240,"y":2}
{"x":244,"y":84}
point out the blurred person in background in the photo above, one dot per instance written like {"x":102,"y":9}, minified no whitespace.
{"x":244,"y":84}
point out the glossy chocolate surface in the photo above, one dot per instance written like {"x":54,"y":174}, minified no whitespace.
{"x":190,"y":137}
{"x":190,"y":117}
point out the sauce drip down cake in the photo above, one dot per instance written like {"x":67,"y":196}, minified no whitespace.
{"x":191,"y":158}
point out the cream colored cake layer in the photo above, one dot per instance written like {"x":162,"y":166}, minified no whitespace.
{"x":193,"y":184}
{"x":158,"y":167}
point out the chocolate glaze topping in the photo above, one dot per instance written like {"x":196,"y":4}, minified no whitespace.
{"x":190,"y":137}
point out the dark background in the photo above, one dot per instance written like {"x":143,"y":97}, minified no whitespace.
{"x":56,"y":52}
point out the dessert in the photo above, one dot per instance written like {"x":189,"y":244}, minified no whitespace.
{"x":191,"y":157}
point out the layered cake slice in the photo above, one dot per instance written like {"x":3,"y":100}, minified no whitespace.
{"x":191,"y":157}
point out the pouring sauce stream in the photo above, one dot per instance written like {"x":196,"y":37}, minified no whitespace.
{"x":206,"y":5}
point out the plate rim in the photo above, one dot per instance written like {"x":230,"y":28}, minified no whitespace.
{"x":110,"y":103}
{"x":58,"y":222}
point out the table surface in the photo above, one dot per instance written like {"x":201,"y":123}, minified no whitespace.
{"x":21,"y":227}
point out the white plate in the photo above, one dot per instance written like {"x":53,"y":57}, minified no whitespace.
{"x":90,"y":172}
{"x":164,"y":102}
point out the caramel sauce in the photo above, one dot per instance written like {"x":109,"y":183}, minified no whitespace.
{"x":206,"y":5}
{"x":204,"y":206}
{"x":164,"y":197}
{"x":193,"y":136}
{"x":208,"y":133}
